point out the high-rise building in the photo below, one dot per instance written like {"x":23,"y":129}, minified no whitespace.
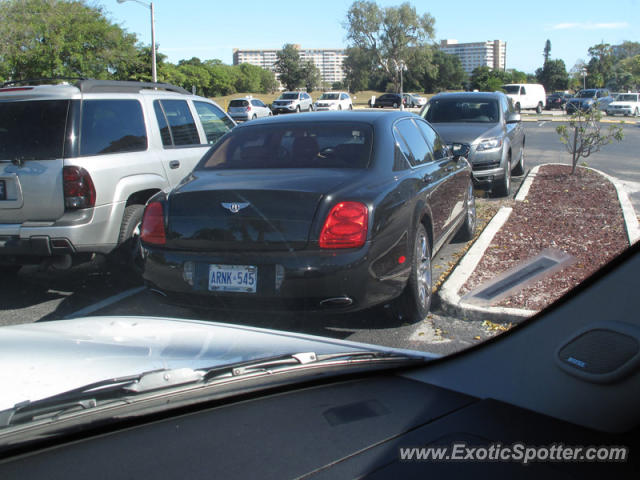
{"x":492,"y":53}
{"x":329,"y":61}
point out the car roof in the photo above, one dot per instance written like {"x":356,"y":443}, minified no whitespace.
{"x":478,"y":95}
{"x":378,"y":119}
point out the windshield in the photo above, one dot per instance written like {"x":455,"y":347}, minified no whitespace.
{"x":276,"y":175}
{"x":329,"y":96}
{"x":292,"y":146}
{"x":586,"y":94}
{"x":462,"y":110}
{"x":627,"y":97}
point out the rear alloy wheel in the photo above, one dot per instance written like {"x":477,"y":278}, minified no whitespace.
{"x":468,"y":229}
{"x":503,"y":189}
{"x":414,"y":302}
{"x":395,"y":105}
{"x":519,"y":168}
{"x":127,"y":253}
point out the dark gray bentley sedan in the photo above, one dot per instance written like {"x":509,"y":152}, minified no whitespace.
{"x":329,"y":211}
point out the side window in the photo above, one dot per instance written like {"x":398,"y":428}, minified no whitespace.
{"x":402,"y":154}
{"x":214,"y":122}
{"x":112,"y":126}
{"x":437,"y":145}
{"x":416,"y":142}
{"x":177,"y":127}
{"x":344,"y":96}
{"x":523,"y":90}
{"x":402,"y":146}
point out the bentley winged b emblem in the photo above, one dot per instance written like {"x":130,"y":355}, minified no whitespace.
{"x":234,"y":207}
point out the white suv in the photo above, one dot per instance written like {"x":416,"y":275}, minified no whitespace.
{"x":78,"y":163}
{"x":334,"y":101}
{"x":292,"y":102}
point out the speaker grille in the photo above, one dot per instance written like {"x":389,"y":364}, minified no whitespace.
{"x":599,"y":351}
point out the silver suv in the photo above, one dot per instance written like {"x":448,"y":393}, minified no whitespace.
{"x":290,"y":102}
{"x":78,"y":163}
{"x":485,"y":128}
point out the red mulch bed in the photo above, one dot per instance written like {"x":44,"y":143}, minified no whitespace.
{"x":579,"y":214}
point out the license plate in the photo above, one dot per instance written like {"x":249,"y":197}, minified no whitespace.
{"x":233,"y":278}
{"x":3,"y":190}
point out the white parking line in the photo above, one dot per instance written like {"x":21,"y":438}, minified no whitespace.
{"x":540,"y":124}
{"x":105,"y":303}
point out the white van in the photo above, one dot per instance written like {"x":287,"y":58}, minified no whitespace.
{"x":526,"y":96}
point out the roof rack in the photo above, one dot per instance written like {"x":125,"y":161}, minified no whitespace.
{"x":119,"y":86}
{"x":37,"y":81}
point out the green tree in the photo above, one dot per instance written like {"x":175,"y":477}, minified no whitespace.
{"x":268,"y":82}
{"x":583,"y":136}
{"x":56,"y":38}
{"x":311,"y":76}
{"x":447,"y":73}
{"x":547,"y":51}
{"x":358,"y":67}
{"x":600,"y":66}
{"x":390,"y":34}
{"x":553,"y":75}
{"x":249,"y":78}
{"x":288,"y":66}
{"x":485,"y":79}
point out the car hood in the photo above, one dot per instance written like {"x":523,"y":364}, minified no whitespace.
{"x":43,"y":359}
{"x":467,"y":132}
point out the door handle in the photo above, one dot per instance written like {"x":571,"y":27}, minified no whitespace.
{"x":173,"y":164}
{"x":427,"y":178}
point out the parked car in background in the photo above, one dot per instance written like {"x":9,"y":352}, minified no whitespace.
{"x":588,"y":99}
{"x":78,"y":163}
{"x":388,"y":100}
{"x":557,"y":100}
{"x":334,"y":101}
{"x":412,"y":100}
{"x":335,"y":212}
{"x":486,"y":129}
{"x":292,"y":102}
{"x":247,"y":108}
{"x":526,"y":96}
{"x":625,"y":104}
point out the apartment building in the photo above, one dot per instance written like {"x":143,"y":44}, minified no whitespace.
{"x":329,"y":61}
{"x":492,"y":53}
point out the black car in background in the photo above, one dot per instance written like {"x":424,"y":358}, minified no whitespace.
{"x":557,"y":100}
{"x":389,"y":100}
{"x":588,"y":99}
{"x":340,"y":211}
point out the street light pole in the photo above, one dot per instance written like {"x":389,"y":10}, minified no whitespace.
{"x":584,"y":78}
{"x":154,"y":72}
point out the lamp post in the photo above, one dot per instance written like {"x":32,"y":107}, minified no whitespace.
{"x":401,"y":66}
{"x":154,"y":73}
{"x":584,"y":78}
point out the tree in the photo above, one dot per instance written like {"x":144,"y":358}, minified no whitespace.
{"x":447,"y":73}
{"x":389,"y":34}
{"x":311,"y":76}
{"x":485,"y":79}
{"x":583,"y":135}
{"x":288,"y":66}
{"x":600,"y":66}
{"x":56,"y":38}
{"x":359,"y":66}
{"x":553,"y":75}
{"x":268,"y":82}
{"x":547,"y":51}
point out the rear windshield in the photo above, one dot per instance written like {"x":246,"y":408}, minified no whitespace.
{"x":32,"y":130}
{"x":335,"y":145}
{"x":289,"y":96}
{"x":586,"y":94}
{"x":329,"y":96}
{"x":238,"y":103}
{"x":462,"y":110}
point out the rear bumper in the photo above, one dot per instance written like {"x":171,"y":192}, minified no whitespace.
{"x":294,"y":280}
{"x":83,"y":231}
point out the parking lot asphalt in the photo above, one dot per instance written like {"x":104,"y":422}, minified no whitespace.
{"x":95,"y":289}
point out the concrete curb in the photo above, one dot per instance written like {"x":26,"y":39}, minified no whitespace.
{"x":450,"y":299}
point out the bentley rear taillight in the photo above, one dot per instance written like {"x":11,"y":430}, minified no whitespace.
{"x":346,"y":226}
{"x":152,"y":230}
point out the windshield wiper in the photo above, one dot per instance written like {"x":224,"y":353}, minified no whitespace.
{"x":123,"y":388}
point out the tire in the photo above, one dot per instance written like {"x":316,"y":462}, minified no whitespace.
{"x":127,"y":254}
{"x":9,"y":270}
{"x":310,"y":109}
{"x":503,"y":189}
{"x":468,"y":229}
{"x":539,"y":108}
{"x":270,"y":113}
{"x":254,"y":117}
{"x":519,"y":168}
{"x":414,"y":302}
{"x":636,"y":113}
{"x":517,"y":107}
{"x":395,"y":105}
{"x":339,"y":107}
{"x":351,"y":107}
{"x":298,"y":109}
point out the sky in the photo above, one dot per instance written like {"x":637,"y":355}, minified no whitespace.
{"x":210,"y":29}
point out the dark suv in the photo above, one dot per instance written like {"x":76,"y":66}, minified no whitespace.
{"x":485,"y":128}
{"x":589,"y":98}
{"x":389,"y":100}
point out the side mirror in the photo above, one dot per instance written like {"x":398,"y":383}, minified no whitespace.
{"x":513,"y":118}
